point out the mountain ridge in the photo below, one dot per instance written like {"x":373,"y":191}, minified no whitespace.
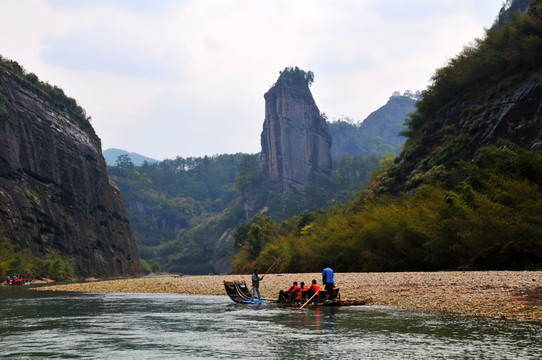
{"x":111,"y":155}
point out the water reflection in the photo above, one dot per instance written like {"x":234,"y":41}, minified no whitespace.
{"x":165,"y":326}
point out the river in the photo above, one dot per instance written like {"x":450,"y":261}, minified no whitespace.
{"x":56,"y":325}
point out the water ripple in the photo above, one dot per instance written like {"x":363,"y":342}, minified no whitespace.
{"x":37,"y":325}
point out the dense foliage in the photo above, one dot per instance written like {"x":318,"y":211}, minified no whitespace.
{"x":184,"y":212}
{"x":484,"y":215}
{"x":297,"y":76}
{"x":173,"y":205}
{"x":23,"y":264}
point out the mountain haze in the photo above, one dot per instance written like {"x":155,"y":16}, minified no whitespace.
{"x":378,"y":133}
{"x":111,"y":156}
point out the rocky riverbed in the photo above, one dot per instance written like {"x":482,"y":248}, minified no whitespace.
{"x":503,"y":294}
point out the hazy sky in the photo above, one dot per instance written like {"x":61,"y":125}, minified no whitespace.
{"x":187,"y":77}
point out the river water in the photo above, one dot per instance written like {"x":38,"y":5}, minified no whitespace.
{"x":52,"y":325}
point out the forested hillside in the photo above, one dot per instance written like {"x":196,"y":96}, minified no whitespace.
{"x":174,"y":205}
{"x":465,"y":193}
{"x":185,"y":211}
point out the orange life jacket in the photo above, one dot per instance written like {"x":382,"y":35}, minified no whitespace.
{"x":291,"y":289}
{"x":300,"y":291}
{"x":314,"y":288}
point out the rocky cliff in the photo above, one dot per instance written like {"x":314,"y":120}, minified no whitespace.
{"x":55,"y":195}
{"x":508,"y":9}
{"x":510,"y":119}
{"x":483,"y":97}
{"x":295,"y":140}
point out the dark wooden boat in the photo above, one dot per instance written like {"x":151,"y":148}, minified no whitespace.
{"x":239,"y":293}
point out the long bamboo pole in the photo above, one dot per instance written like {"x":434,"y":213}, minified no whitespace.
{"x":308,"y":301}
{"x":276,"y":261}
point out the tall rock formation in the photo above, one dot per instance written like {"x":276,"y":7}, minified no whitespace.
{"x":295,"y":140}
{"x":55,"y":194}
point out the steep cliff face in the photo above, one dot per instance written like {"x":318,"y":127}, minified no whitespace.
{"x":295,"y":140}
{"x":511,"y":119}
{"x":485,"y":96}
{"x":55,"y":194}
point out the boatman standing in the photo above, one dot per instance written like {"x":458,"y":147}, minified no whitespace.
{"x":256,"y":285}
{"x":327,"y":280}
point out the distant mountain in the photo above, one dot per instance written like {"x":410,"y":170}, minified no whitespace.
{"x":111,"y":156}
{"x":378,"y":133}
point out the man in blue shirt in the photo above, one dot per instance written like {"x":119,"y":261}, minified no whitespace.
{"x":327,"y":279}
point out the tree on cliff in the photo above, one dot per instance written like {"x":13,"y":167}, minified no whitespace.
{"x":297,"y":75}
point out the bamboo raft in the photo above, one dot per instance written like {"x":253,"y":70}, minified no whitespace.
{"x":239,"y":293}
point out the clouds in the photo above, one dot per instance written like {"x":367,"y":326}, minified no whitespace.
{"x":94,"y":53}
{"x":167,"y":78}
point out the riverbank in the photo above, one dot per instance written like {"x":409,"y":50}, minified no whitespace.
{"x":503,"y":294}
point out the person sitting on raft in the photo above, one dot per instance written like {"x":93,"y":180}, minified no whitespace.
{"x":302,"y":288}
{"x":286,"y":294}
{"x":314,"y":289}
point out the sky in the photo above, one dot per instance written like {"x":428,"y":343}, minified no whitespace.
{"x":167,"y":78}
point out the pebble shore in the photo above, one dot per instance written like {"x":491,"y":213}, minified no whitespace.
{"x":503,"y":294}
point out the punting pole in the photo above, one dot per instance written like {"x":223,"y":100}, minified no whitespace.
{"x":276,"y":261}
{"x":308,"y":301}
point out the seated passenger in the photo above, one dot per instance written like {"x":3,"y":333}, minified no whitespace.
{"x":314,"y":288}
{"x":286,"y":294}
{"x":302,"y":288}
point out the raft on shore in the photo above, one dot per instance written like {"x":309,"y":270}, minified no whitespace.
{"x":239,"y":293}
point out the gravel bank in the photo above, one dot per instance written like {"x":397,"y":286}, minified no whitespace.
{"x":505,"y":294}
